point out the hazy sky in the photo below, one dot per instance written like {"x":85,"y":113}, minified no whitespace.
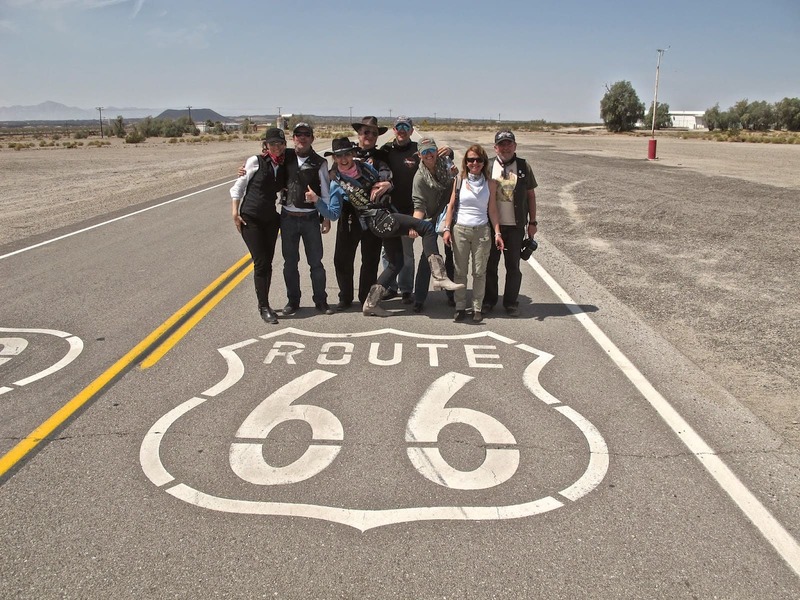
{"x":519,"y":59}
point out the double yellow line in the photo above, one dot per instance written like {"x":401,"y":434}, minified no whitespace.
{"x":151,"y":348}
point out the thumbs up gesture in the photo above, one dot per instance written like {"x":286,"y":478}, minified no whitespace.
{"x":311,"y":196}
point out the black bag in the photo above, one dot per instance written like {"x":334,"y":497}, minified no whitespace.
{"x":383,"y":224}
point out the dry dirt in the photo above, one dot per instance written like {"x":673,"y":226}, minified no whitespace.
{"x":706,"y":251}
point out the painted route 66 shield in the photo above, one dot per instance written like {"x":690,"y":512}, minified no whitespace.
{"x":374,"y":428}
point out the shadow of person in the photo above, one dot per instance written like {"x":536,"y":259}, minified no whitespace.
{"x":541,"y":311}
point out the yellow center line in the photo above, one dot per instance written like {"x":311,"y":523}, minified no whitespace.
{"x":29,"y":442}
{"x":178,"y":334}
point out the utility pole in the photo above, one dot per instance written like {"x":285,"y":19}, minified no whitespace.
{"x":100,"y":108}
{"x":390,"y":114}
{"x":190,"y":114}
{"x":651,"y":150}
{"x":351,"y":113}
{"x":278,"y":119}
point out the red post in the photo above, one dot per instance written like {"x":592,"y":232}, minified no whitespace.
{"x":651,"y":149}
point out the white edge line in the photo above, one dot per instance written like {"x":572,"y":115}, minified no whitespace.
{"x":75,"y":348}
{"x":786,"y":546}
{"x":95,"y":226}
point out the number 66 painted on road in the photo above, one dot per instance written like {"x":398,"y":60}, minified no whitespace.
{"x":427,"y":420}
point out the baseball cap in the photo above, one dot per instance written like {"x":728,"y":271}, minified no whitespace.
{"x":403,"y":120}
{"x":274,"y":134}
{"x":301,"y":126}
{"x":504,"y":135}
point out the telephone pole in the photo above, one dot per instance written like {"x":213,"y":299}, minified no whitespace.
{"x":351,"y":113}
{"x":651,"y":149}
{"x":100,"y":108}
{"x":190,"y":114}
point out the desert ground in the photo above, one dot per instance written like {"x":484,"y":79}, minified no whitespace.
{"x":711,"y":267}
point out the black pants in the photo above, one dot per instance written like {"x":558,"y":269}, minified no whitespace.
{"x":260,"y":235}
{"x":512,"y":238}
{"x":393,"y":246}
{"x":348,"y":236}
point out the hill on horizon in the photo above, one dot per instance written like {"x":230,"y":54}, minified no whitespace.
{"x":199,"y":115}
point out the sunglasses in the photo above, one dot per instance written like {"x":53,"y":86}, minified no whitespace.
{"x":402,"y":127}
{"x":347,"y":154}
{"x":474,"y":159}
{"x":302,"y":134}
{"x":428,"y":152}
{"x":369,"y":132}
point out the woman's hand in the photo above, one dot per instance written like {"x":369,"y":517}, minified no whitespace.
{"x":238,"y":222}
{"x":446,"y":237}
{"x":498,"y":241}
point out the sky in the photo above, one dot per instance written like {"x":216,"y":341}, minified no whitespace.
{"x":512,"y":60}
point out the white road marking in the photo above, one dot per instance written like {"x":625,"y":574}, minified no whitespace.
{"x":16,"y":345}
{"x":780,"y":539}
{"x":114,"y":220}
{"x":364,"y":519}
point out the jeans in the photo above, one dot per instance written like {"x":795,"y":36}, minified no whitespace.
{"x":393,"y":247}
{"x":471,"y":243}
{"x":404,"y":281}
{"x":512,"y":238}
{"x":261,"y":237}
{"x":307,"y":229}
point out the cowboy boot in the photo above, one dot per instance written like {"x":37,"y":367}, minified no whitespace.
{"x":372,"y":305}
{"x":439,"y":275}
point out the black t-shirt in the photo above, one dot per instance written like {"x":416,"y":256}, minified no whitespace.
{"x":403,"y":161}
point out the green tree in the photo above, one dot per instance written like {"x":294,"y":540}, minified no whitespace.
{"x":621,"y":108}
{"x":712,"y":117}
{"x":118,"y":127}
{"x":759,"y":116}
{"x":299,"y":119}
{"x":246,"y":125}
{"x":787,"y":114}
{"x":662,"y":117}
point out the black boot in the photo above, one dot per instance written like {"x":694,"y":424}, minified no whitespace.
{"x":268,"y":315}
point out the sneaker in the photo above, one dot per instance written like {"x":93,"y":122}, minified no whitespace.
{"x":389,"y":294}
{"x":407,"y":298}
{"x":290,"y":309}
{"x":512,"y":311}
{"x":460,"y":316}
{"x":323,"y":307}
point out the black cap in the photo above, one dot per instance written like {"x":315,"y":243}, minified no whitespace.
{"x":504,"y":135}
{"x":274,"y":134}
{"x":303,"y":126}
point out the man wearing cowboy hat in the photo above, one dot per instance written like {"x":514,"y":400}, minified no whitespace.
{"x":349,"y":233}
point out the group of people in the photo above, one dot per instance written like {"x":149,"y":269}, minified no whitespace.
{"x":383,"y":199}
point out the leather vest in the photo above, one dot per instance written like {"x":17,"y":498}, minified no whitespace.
{"x":521,"y":208}
{"x":261,"y":195}
{"x":299,"y":177}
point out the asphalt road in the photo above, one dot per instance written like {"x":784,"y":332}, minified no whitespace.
{"x":560,"y":454}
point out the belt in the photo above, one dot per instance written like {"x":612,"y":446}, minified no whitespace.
{"x":291,"y":213}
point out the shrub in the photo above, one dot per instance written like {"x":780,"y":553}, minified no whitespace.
{"x":134,"y":137}
{"x":81,"y":134}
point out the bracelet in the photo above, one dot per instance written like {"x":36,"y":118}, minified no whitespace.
{"x":498,"y":234}
{"x":445,"y":229}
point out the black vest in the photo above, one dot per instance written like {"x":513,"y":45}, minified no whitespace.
{"x":521,"y":208}
{"x":298,"y":178}
{"x":262,"y":191}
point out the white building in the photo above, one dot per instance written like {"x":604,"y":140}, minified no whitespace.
{"x":688,"y":119}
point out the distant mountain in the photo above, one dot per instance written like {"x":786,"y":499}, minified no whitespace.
{"x":199,"y":115}
{"x":54,"y":111}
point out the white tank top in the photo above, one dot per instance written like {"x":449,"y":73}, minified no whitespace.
{"x":473,"y":204}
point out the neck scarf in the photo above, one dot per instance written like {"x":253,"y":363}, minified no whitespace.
{"x":351,"y":172}
{"x":441,"y":178}
{"x":276,"y":160}
{"x":475,"y":183}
